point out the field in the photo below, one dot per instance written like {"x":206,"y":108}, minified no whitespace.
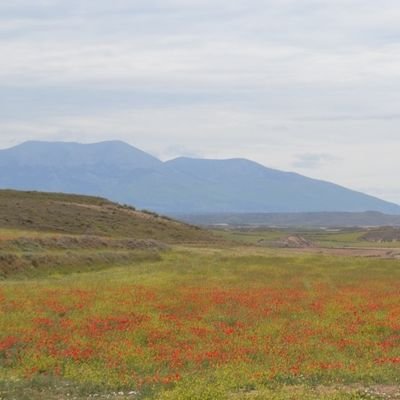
{"x":205,"y":322}
{"x":335,"y":238}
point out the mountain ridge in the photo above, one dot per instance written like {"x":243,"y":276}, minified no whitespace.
{"x":124,"y":173}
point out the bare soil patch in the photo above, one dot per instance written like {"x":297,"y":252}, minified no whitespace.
{"x":352,"y":252}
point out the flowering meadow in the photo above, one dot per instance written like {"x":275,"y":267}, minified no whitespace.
{"x":208,"y":324}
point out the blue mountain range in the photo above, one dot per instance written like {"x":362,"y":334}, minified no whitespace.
{"x":123,"y":173}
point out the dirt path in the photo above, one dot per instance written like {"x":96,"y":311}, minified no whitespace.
{"x":386,"y":253}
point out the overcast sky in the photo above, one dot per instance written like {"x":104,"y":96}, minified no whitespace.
{"x":311,"y":86}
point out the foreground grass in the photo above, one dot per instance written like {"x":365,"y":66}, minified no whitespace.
{"x":198,"y":390}
{"x":206,"y":324}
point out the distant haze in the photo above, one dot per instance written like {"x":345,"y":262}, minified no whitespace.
{"x":311,"y":86}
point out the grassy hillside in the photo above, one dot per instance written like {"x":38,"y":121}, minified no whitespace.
{"x":85,"y":215}
{"x":51,"y":234}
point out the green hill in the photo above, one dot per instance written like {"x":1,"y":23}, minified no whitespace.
{"x":43,"y":234}
{"x":85,"y":215}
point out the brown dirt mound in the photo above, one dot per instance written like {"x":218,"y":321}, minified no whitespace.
{"x":295,"y":241}
{"x":291,"y":241}
{"x":382,"y":235}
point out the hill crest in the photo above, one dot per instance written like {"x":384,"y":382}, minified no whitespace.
{"x":91,"y":216}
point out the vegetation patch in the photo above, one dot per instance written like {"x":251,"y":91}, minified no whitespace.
{"x":243,"y":323}
{"x":382,"y":235}
{"x":92,"y":216}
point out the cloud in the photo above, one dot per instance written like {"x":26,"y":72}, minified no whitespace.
{"x":197,"y":44}
{"x":307,"y":84}
{"x":313,"y":161}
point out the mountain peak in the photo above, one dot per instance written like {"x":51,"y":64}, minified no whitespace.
{"x":115,"y":154}
{"x":121,"y":172}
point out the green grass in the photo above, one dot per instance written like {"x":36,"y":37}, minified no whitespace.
{"x":88,"y":312}
{"x":28,"y":254}
{"x":256,"y":304}
{"x":251,"y":237}
{"x":84,"y":215}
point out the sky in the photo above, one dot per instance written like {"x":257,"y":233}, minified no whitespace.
{"x":311,"y":86}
